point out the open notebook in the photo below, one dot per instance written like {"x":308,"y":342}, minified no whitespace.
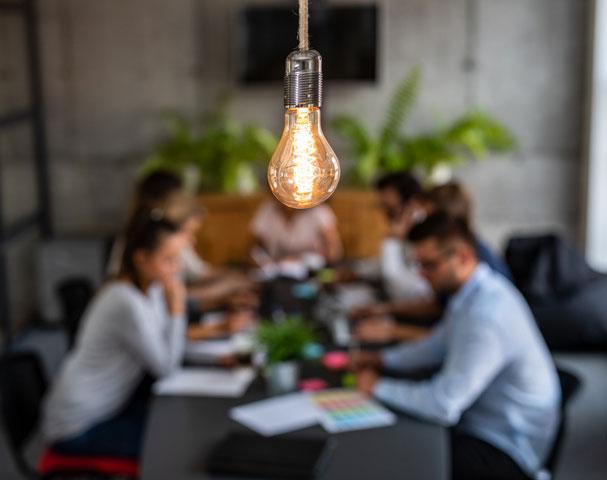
{"x":207,"y":382}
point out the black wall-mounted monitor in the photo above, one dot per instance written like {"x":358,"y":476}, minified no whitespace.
{"x":345,"y":36}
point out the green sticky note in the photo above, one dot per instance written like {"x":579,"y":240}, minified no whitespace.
{"x":348,"y":380}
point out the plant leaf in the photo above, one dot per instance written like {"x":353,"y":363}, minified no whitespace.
{"x":353,"y":130}
{"x":400,"y":105}
{"x":219,"y":146}
{"x":285,"y":340}
{"x":476,"y":133}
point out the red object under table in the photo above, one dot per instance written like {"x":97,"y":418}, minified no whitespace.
{"x":52,"y":462}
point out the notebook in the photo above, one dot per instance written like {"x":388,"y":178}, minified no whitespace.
{"x":277,"y":415}
{"x":206,"y":382}
{"x":249,"y":455}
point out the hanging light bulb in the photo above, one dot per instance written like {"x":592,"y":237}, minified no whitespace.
{"x":304,"y":170}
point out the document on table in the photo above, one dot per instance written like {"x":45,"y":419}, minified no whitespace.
{"x":208,"y":350}
{"x":206,"y":382}
{"x":278,"y":414}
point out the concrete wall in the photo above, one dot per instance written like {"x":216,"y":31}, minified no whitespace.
{"x":110,"y":67}
{"x":17,"y":173}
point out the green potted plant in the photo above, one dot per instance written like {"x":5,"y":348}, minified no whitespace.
{"x":215,"y":153}
{"x":471,"y":136}
{"x":284,"y":343}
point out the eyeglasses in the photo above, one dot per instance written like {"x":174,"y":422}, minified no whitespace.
{"x":435,"y":263}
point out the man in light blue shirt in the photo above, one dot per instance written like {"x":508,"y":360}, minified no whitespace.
{"x":497,"y":384}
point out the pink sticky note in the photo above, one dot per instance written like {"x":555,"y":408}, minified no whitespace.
{"x":335,"y":360}
{"x":312,"y":384}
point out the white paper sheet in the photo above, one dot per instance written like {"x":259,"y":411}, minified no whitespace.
{"x":209,"y":350}
{"x":206,"y":382}
{"x":295,"y":269}
{"x":278,"y":414}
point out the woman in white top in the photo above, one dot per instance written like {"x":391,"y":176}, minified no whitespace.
{"x":208,"y":288}
{"x":284,"y":232}
{"x":135,"y":327}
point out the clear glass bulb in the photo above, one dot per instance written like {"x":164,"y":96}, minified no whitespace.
{"x":304,"y":170}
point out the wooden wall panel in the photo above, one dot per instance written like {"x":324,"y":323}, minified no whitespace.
{"x":225,"y":237}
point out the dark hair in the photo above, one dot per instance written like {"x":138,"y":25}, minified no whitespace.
{"x":145,"y":231}
{"x":451,"y":198}
{"x":153,"y":191}
{"x":156,"y":186}
{"x":444,"y":228}
{"x":404,"y":183}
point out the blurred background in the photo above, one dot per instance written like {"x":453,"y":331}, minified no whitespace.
{"x":508,"y":96}
{"x":111,"y":73}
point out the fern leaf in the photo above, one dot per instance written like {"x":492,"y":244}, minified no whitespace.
{"x":400,"y":106}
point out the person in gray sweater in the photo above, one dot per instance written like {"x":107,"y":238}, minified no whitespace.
{"x":134,"y":329}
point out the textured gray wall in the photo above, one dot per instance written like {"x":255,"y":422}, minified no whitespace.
{"x":17,"y":181}
{"x":110,"y":67}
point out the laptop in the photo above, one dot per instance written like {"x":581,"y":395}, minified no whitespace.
{"x":254,"y":456}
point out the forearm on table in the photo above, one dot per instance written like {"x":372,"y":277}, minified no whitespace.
{"x":208,"y":297}
{"x":177,"y":333}
{"x":160,"y":351}
{"x":476,"y":355}
{"x":427,"y":352}
{"x":422,"y":308}
{"x":404,"y":332}
{"x":416,"y":398}
{"x":204,"y":331}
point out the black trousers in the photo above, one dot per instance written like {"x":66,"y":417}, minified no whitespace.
{"x":474,"y":459}
{"x":119,"y":436}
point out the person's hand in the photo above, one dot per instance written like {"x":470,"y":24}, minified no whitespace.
{"x":237,"y":321}
{"x":288,"y":258}
{"x":402,"y":223}
{"x":376,"y":330}
{"x":206,"y":331}
{"x":175,"y":294}
{"x":244,"y":300}
{"x":374,"y":310}
{"x":233,"y":284}
{"x":344,"y":275}
{"x":361,"y":360}
{"x":366,"y":381}
{"x":227,"y":361}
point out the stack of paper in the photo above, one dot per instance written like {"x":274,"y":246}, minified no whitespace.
{"x":206,"y":382}
{"x":208,"y":351}
{"x":277,"y":415}
{"x":337,"y":410}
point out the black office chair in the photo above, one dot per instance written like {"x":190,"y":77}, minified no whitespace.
{"x":22,"y":386}
{"x":74,"y":296}
{"x":570,"y":385}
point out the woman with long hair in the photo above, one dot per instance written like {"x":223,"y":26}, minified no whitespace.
{"x":133,"y":330}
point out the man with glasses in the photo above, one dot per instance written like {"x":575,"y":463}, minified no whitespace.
{"x":408,"y":293}
{"x":497,"y":384}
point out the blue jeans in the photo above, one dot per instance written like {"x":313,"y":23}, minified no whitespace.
{"x":118,"y":436}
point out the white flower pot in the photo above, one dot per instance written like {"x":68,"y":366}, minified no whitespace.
{"x":282,"y":377}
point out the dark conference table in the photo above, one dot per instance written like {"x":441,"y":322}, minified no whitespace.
{"x":182,"y":430}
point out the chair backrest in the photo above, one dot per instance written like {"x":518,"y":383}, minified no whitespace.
{"x":570,"y":384}
{"x":22,"y":387}
{"x":74,"y":296}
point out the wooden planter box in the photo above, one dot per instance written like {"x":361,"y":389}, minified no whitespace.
{"x":225,"y":237}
